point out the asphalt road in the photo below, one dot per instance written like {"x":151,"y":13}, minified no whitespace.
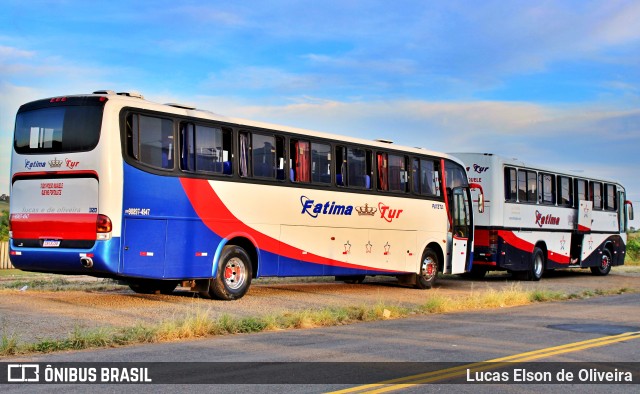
{"x":422,"y":343}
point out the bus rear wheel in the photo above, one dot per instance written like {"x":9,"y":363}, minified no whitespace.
{"x":604,"y":267}
{"x":234,"y":274}
{"x":537,"y":265}
{"x":428,"y":270}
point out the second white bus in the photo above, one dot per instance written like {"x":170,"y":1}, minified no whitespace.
{"x":538,"y":219}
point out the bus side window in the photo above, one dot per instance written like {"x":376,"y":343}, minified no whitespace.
{"x":151,"y":140}
{"x":359,"y":168}
{"x":415,"y":175}
{"x":245,"y":154}
{"x":263,"y":155}
{"x":510,"y":184}
{"x":320,"y":163}
{"x":610,"y":197}
{"x":382,"y":162}
{"x":532,"y":192}
{"x":581,"y":192}
{"x":429,"y":178}
{"x":299,"y":168}
{"x":596,"y":192}
{"x":280,"y":154}
{"x":565,"y":191}
{"x":341,"y":166}
{"x":187,"y":147}
{"x":546,"y":189}
{"x":397,"y":173}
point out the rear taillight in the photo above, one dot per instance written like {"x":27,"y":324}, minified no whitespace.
{"x":103,"y":224}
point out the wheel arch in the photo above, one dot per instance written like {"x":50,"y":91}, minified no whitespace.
{"x":245,"y":243}
{"x":438,"y":251}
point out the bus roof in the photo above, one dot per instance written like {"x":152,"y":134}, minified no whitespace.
{"x":504,"y":160}
{"x":135,"y":99}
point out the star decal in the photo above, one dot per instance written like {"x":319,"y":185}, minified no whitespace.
{"x":347,"y":248}
{"x":368,"y":246}
{"x":387,"y":247}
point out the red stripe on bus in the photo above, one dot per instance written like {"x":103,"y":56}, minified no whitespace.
{"x":217,"y":217}
{"x":519,"y":243}
{"x":63,"y":174}
{"x":511,"y":239}
{"x":71,"y":226}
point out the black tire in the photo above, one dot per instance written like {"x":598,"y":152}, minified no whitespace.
{"x":604,"y":267}
{"x":354,"y":280}
{"x":537,"y":265}
{"x":150,"y":286}
{"x":428,"y":270}
{"x":234,"y":274}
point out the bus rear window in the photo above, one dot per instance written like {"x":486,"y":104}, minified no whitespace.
{"x":58,"y":129}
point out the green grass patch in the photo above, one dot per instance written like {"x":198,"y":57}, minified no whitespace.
{"x":633,"y":249}
{"x":199,"y":322}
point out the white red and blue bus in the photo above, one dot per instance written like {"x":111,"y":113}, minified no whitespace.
{"x":538,"y":219}
{"x":160,"y":195}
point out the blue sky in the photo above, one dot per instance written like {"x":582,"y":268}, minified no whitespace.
{"x":550,"y":82}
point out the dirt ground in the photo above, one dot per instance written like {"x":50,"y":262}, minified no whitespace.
{"x":35,"y":315}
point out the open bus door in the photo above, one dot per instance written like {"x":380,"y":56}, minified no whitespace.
{"x":459,"y":249}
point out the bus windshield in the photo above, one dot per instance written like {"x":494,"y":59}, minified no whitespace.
{"x":59,"y":129}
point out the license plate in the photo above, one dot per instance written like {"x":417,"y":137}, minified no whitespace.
{"x":51,"y":243}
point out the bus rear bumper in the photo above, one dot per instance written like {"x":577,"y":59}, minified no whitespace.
{"x":101,"y":260}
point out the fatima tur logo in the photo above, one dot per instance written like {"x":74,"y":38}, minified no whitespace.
{"x":366,"y":210}
{"x":55,"y":163}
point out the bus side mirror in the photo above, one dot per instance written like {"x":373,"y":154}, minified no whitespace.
{"x":629,"y":209}
{"x":480,"y":195}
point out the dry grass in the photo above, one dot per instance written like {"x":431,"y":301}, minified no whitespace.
{"x":199,"y":322}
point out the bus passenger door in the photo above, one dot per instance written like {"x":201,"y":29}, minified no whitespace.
{"x":461,"y":235}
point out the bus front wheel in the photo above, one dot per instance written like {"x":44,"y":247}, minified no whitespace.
{"x":428,"y":270}
{"x":604,"y":267}
{"x":234,"y":274}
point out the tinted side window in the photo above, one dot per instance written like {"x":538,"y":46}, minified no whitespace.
{"x":320,"y":163}
{"x":397,"y":173}
{"x":299,"y":163}
{"x":510,"y":184}
{"x":596,"y":193}
{"x":581,"y":191}
{"x":610,"y":197}
{"x":425,"y":177}
{"x":150,"y":140}
{"x":359,"y":168}
{"x":546,"y":188}
{"x":205,"y":149}
{"x":565,"y":191}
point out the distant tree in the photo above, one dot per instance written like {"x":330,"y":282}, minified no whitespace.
{"x":4,"y":226}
